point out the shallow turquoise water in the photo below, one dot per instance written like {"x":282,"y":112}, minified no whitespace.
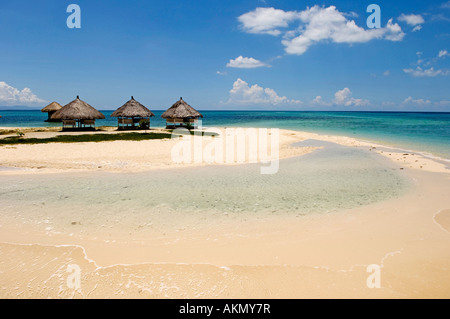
{"x":332,"y":179}
{"x":426,"y":132}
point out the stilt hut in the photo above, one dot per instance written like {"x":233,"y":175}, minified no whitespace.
{"x":51,"y":109}
{"x":77,"y":114}
{"x":132,"y":115}
{"x":181,"y":114}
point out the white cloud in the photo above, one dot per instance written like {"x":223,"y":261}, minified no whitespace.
{"x":431,"y":72}
{"x":246,"y":63}
{"x":221,"y":73}
{"x":425,"y":66}
{"x":344,"y":97}
{"x":443,"y":54}
{"x":266,"y":20}
{"x":419,"y":102}
{"x":328,"y":24}
{"x":414,"y":20}
{"x":411,"y":19}
{"x":319,"y":101}
{"x":386,"y":73}
{"x":341,"y":98}
{"x":11,"y":96}
{"x":392,"y":31}
{"x":317,"y":24}
{"x":244,"y":94}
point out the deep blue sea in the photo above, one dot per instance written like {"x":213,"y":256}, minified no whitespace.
{"x":425,"y":132}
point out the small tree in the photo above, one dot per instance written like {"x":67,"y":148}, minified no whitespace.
{"x":144,"y":124}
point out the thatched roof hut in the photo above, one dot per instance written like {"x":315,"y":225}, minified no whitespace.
{"x":132,"y":109}
{"x":51,"y":109}
{"x":131,"y":113}
{"x":79,"y":112}
{"x":181,"y":114}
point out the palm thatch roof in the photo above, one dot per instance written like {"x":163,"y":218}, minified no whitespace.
{"x":52,"y":107}
{"x":77,"y":110}
{"x":181,"y":110}
{"x":132,"y":109}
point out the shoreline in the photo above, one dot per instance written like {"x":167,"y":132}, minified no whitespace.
{"x":288,"y":137}
{"x":134,"y":156}
{"x":407,"y":236}
{"x":397,"y":145}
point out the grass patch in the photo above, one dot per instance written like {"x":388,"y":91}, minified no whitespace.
{"x":7,"y":132}
{"x":28,"y":130}
{"x":94,"y":138}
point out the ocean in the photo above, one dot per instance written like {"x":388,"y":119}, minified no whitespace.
{"x":423,"y":132}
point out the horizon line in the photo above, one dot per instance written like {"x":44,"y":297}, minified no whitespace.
{"x":27,"y":108}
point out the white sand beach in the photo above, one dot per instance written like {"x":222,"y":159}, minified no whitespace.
{"x":215,"y":254}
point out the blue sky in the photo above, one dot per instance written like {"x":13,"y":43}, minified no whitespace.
{"x":245,"y":55}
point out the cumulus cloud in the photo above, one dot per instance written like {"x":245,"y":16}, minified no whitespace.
{"x":316,"y":24}
{"x":419,"y":102}
{"x":392,"y":31}
{"x":341,"y":98}
{"x":344,"y":97}
{"x":267,"y":20}
{"x":411,"y":19}
{"x":443,"y":54}
{"x":244,"y":94}
{"x":414,"y":20}
{"x":431,"y":72}
{"x":246,"y":63}
{"x":319,"y":101}
{"x":11,"y":96}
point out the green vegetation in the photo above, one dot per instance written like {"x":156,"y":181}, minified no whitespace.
{"x":85,"y":138}
{"x":144,"y":124}
{"x":98,"y":137}
{"x":19,"y":133}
